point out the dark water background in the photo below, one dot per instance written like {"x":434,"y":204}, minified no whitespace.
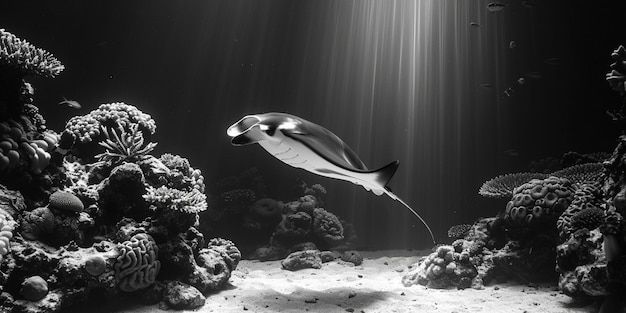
{"x":394,"y":79}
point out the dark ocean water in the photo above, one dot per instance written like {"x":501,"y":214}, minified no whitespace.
{"x":396,"y":80}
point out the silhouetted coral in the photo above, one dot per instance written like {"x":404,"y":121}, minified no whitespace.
{"x":502,"y":186}
{"x":617,"y":76}
{"x":27,"y":58}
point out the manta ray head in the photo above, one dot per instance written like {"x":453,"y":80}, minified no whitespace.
{"x":260,"y":127}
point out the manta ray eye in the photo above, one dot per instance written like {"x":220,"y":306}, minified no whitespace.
{"x":270,"y":131}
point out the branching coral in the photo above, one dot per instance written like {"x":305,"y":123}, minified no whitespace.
{"x":137,"y":265}
{"x":181,"y":175}
{"x":27,"y":58}
{"x":174,"y":199}
{"x":124,"y":146}
{"x":87,"y":128}
{"x":502,"y":186}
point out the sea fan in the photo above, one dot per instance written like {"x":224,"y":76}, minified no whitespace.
{"x":502,"y":186}
{"x":122,"y":146}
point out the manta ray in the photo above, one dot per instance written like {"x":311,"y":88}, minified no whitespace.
{"x":311,"y":147}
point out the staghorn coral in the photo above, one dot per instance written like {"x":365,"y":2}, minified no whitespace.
{"x":137,"y":265}
{"x":459,"y":231}
{"x":173,"y":199}
{"x":582,"y":173}
{"x":538,"y":203}
{"x":123,"y":146}
{"x":26,"y":58}
{"x":502,"y":186}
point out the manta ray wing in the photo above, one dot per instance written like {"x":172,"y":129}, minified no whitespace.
{"x":327,"y":145}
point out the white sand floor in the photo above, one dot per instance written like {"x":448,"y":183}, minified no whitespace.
{"x":374,"y":286}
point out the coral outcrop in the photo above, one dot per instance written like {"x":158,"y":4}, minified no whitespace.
{"x":92,"y":211}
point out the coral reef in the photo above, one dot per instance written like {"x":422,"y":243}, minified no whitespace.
{"x":137,"y":265}
{"x":502,"y":186}
{"x":538,"y":203}
{"x":91,"y":212}
{"x":23,"y":56}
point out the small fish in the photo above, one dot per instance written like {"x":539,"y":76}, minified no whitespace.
{"x":486,"y":85}
{"x":534,"y":75}
{"x":521,"y":81}
{"x":495,"y":6}
{"x":528,"y":4}
{"x":553,"y":61}
{"x":474,"y":24}
{"x":70,"y":103}
{"x":512,"y":44}
{"x":509,"y":92}
{"x":311,"y":147}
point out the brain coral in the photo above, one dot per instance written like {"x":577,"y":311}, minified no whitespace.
{"x":327,"y":226}
{"x":65,"y":201}
{"x":27,"y":58}
{"x":587,"y":196}
{"x":539,"y":202}
{"x":137,"y":266}
{"x":502,"y":186}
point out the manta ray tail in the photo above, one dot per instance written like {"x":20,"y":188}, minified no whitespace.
{"x":393,"y":196}
{"x":384,"y":176}
{"x":385,"y":173}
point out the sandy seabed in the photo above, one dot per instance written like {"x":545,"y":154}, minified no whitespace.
{"x":374,"y":286}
